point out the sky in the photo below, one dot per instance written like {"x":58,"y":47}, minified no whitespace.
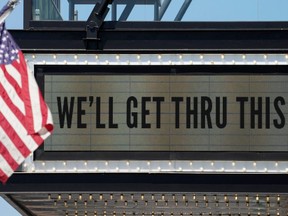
{"x":199,"y":10}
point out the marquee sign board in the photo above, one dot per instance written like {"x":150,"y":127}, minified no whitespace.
{"x":166,"y":109}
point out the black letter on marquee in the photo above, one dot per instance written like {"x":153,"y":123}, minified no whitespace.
{"x":80,"y":112}
{"x":256,"y":112}
{"x":158,"y":101}
{"x":206,"y":112}
{"x":66,"y":112}
{"x":131,"y":124}
{"x":224,"y":112}
{"x":267,"y":111}
{"x":98,"y":113}
{"x":190,"y":112}
{"x":145,"y":112}
{"x":242,"y":101}
{"x":177,"y":101}
{"x":280,"y":124}
{"x":111,"y":124}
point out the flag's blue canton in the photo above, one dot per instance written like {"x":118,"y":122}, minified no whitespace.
{"x":8,"y":48}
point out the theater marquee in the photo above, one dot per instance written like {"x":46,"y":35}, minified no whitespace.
{"x":166,"y":109}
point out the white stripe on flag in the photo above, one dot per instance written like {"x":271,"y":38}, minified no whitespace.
{"x":14,"y":73}
{"x":35,"y":102}
{"x":11,"y":91}
{"x":11,"y":148}
{"x":18,"y":126}
{"x":49,"y":120}
{"x":5,"y":167}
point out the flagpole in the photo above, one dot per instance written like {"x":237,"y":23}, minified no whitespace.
{"x":5,"y":12}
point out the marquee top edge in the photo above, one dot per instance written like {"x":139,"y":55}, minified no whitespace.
{"x":156,"y":37}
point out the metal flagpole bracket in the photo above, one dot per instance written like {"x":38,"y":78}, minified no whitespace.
{"x":94,"y":23}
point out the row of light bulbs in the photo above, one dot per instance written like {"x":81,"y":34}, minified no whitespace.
{"x":80,"y":210}
{"x":156,"y":166}
{"x":163,"y":197}
{"x":170,"y":59}
{"x":164,"y":203}
{"x":169,"y":214}
{"x":105,"y":213}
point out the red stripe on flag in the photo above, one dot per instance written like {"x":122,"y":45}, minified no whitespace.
{"x":37,"y":138}
{"x":20,"y":116}
{"x":7,"y":156}
{"x":12,"y":134}
{"x":44,"y":111}
{"x":11,"y":80}
{"x":3,"y":176}
{"x":23,"y":70}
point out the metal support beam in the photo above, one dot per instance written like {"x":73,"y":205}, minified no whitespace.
{"x":157,"y":4}
{"x":183,"y":10}
{"x":94,"y":23}
{"x":71,"y":9}
{"x":114,"y":11}
{"x":127,"y":10}
{"x":163,"y":8}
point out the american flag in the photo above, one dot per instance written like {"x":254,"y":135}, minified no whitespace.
{"x":25,"y":119}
